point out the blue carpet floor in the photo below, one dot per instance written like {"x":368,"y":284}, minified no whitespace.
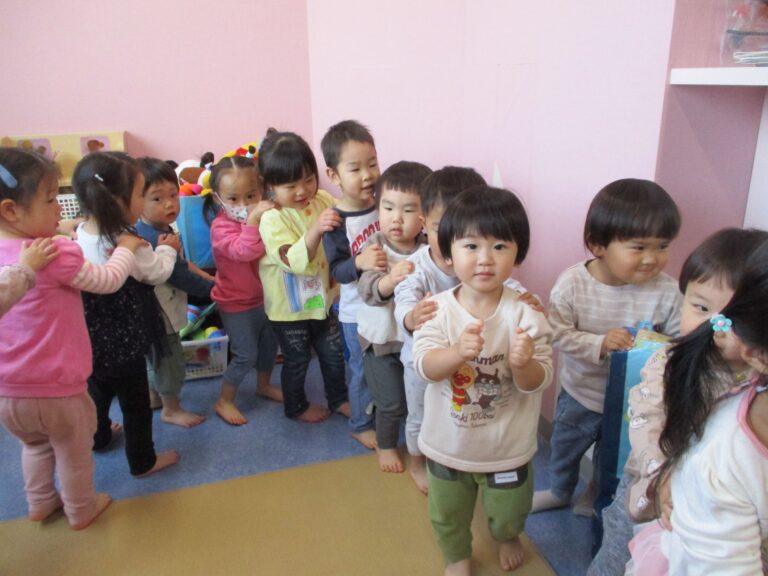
{"x":215,"y":451}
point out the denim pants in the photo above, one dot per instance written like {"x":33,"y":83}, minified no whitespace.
{"x":359,"y":394}
{"x":574,"y":430}
{"x":297,"y":339}
{"x":415,"y":389}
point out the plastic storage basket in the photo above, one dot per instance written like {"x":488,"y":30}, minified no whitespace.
{"x":205,"y":358}
{"x":70,"y":207}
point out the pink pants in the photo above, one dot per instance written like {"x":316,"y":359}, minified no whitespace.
{"x":57,"y":435}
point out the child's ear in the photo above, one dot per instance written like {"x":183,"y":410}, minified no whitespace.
{"x":597,"y":250}
{"x":10,"y":210}
{"x":423,"y":221}
{"x":333,"y":176}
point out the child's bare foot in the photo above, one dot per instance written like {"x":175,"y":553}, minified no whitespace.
{"x":164,"y":460}
{"x":228,"y":412}
{"x":102,"y":503}
{"x":43,"y":513}
{"x":367,"y":438}
{"x":511,"y":555}
{"x":344,"y":410}
{"x":389,"y":460}
{"x":269,"y":392}
{"x":417,"y":468}
{"x":117,"y":431}
{"x":155,"y":402}
{"x":181,"y":418}
{"x":460,"y":568}
{"x":314,"y":414}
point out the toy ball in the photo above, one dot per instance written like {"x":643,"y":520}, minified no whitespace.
{"x":218,"y":333}
{"x":193,"y":313}
{"x":186,"y":190}
{"x":210,"y":330}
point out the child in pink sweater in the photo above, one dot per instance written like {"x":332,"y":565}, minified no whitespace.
{"x":45,"y":352}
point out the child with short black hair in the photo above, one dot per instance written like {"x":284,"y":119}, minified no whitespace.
{"x":166,"y":375}
{"x":127,"y":326}
{"x":351,"y":164}
{"x":487,"y":358}
{"x":237,"y":204}
{"x":397,"y":198}
{"x":297,"y":287}
{"x":629,"y":228}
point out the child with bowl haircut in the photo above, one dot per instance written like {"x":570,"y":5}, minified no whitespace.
{"x":487,"y":358}
{"x":166,"y":375}
{"x":351,"y":164}
{"x":397,"y":197}
{"x":629,"y":228}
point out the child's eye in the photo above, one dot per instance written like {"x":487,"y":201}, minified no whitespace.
{"x":470,"y":246}
{"x":373,"y":164}
{"x":701,"y":307}
{"x":500,"y":247}
{"x":354,"y":169}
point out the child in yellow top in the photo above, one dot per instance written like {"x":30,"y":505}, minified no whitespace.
{"x":294,"y":274}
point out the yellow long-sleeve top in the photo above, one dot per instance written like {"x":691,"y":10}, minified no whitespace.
{"x":301,"y":289}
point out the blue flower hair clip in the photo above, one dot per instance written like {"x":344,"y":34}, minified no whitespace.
{"x":720,"y":323}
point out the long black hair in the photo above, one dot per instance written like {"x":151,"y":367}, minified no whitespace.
{"x":693,"y":375}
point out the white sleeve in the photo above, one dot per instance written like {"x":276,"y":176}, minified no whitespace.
{"x":431,"y":336}
{"x":154,"y":267}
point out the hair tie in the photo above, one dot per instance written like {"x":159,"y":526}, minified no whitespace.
{"x":99,"y":178}
{"x":7,"y":177}
{"x":720,"y":323}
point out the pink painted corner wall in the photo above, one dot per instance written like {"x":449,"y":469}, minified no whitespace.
{"x":558,"y":98}
{"x":179,"y":77}
{"x":709,"y":133}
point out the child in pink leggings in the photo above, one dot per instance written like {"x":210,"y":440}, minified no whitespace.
{"x":45,"y":352}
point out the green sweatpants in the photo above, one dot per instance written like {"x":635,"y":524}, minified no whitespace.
{"x":507,"y":498}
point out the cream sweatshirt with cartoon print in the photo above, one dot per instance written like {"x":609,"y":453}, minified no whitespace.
{"x":479,"y":420}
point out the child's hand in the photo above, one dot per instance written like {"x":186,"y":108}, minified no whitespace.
{"x":425,"y":310}
{"x":470,"y":343}
{"x":372,"y":258}
{"x":254,"y":216}
{"x":326,"y":221}
{"x":38,"y":253}
{"x":532,"y":301}
{"x":69,"y":227}
{"x":400,"y":271}
{"x":169,"y":240}
{"x":131,"y":241}
{"x":520,"y":349}
{"x":616,"y":339}
{"x":664,"y":495}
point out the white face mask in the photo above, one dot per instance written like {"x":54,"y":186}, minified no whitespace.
{"x":237,"y":213}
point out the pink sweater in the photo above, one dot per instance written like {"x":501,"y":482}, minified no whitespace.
{"x":45,"y":351}
{"x":237,"y":249}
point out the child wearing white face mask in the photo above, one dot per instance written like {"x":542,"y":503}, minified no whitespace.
{"x":236,"y":206}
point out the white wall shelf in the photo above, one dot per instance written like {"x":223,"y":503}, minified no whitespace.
{"x":732,"y":76}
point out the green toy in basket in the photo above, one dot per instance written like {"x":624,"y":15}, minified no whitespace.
{"x":195,"y":319}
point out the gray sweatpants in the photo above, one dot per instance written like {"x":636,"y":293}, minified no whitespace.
{"x":384,"y":375}
{"x":617,"y":532}
{"x":415,"y":388}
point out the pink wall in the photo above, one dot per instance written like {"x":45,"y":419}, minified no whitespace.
{"x":709,"y":134}
{"x":180,"y":77}
{"x":563,"y":97}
